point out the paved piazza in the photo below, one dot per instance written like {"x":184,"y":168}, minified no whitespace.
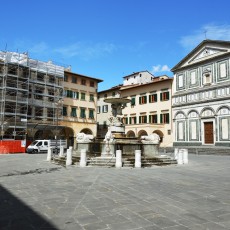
{"x":36,"y":194}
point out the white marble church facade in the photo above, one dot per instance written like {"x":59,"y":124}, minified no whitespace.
{"x":201,"y":98}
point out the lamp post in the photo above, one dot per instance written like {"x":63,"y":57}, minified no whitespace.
{"x":58,"y":103}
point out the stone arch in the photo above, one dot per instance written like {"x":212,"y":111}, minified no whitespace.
{"x":42,"y":134}
{"x":179,"y":115}
{"x":67,"y":133}
{"x":142,"y":133}
{"x":160,"y":134}
{"x":207,"y":111}
{"x":87,"y":131}
{"x":130,"y":133}
{"x":193,"y":113}
{"x":224,"y":109}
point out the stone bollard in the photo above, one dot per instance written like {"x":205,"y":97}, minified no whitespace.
{"x":185,"y":156}
{"x":118,"y":158}
{"x":69,"y":157}
{"x":180,"y":156}
{"x":83,"y":158}
{"x":61,"y":153}
{"x":137,"y":158}
{"x":49,"y":153}
{"x":176,"y":153}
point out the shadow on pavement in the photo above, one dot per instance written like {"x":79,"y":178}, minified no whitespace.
{"x":14,"y":214}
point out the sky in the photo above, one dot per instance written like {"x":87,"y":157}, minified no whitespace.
{"x":110,"y":39}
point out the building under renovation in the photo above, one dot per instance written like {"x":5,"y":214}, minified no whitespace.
{"x":31,"y":94}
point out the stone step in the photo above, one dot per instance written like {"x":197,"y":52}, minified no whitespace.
{"x":111,"y":162}
{"x":202,"y":150}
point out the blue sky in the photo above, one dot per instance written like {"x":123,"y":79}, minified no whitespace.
{"x":109,"y":39}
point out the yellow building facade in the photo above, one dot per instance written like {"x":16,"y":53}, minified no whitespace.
{"x":79,"y":105}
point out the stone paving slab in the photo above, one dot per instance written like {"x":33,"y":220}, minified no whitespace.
{"x":36,"y":194}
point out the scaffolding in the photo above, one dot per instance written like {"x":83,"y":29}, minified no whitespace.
{"x":31,"y":93}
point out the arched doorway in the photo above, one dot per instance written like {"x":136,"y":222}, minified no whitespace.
{"x":67,"y":134}
{"x":142,"y":133}
{"x":86,"y":131}
{"x":130,"y":134}
{"x":43,"y":134}
{"x":160,"y":134}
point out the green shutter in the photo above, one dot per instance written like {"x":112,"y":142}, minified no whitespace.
{"x":145,"y":99}
{"x":155,"y":97}
{"x":140,"y":100}
{"x":77,"y":95}
{"x":71,"y":93}
{"x":161,"y":118}
{"x":150,"y":120}
{"x":155,"y":118}
{"x":139,"y":119}
{"x":145,"y":119}
{"x":167,"y":95}
{"x":161,"y":96}
{"x":167,"y":118}
{"x":133,"y":101}
{"x":130,"y":120}
{"x":126,"y":120}
{"x":135,"y":120}
{"x":64,"y":111}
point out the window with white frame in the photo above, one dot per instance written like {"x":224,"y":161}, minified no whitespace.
{"x":105,"y":108}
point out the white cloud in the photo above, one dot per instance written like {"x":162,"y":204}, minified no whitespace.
{"x":38,"y":48}
{"x":86,"y":51}
{"x":160,"y":68}
{"x":210,"y":31}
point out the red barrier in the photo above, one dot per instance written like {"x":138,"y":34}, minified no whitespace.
{"x":13,"y":146}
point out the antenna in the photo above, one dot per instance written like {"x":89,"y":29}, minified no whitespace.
{"x":205,"y":33}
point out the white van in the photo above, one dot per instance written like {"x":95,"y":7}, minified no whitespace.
{"x":39,"y":146}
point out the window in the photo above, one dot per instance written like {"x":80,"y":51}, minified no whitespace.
{"x":153,"y":118}
{"x":91,"y":114}
{"x":133,"y":101}
{"x":164,"y":96}
{"x":83,"y":81}
{"x":180,"y":81}
{"x":153,"y":98}
{"x":74,"y":79}
{"x":69,"y":93}
{"x":142,"y":119}
{"x":83,"y":96}
{"x":125,"y":120}
{"x":98,"y":109}
{"x":132,"y":120}
{"x":207,"y":77}
{"x":92,"y":84}
{"x":82,"y":113}
{"x":76,"y":95}
{"x":113,"y":94}
{"x":142,"y":100}
{"x":105,"y":108}
{"x":164,"y":118}
{"x":66,"y":78}
{"x":105,"y":95}
{"x":64,"y":111}
{"x":73,"y":112}
{"x":91,"y":97}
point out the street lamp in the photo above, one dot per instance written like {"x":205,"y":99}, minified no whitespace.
{"x":58,"y":103}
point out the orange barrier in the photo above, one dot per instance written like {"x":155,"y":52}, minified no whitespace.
{"x":13,"y":146}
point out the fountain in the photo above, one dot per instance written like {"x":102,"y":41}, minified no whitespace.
{"x":116,"y":148}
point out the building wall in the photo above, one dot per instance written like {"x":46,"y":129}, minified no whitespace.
{"x":142,"y":109}
{"x":202,"y":97}
{"x":79,"y":104}
{"x":142,"y":77}
{"x":151,"y":111}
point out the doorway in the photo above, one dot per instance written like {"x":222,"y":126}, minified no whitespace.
{"x":208,"y":133}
